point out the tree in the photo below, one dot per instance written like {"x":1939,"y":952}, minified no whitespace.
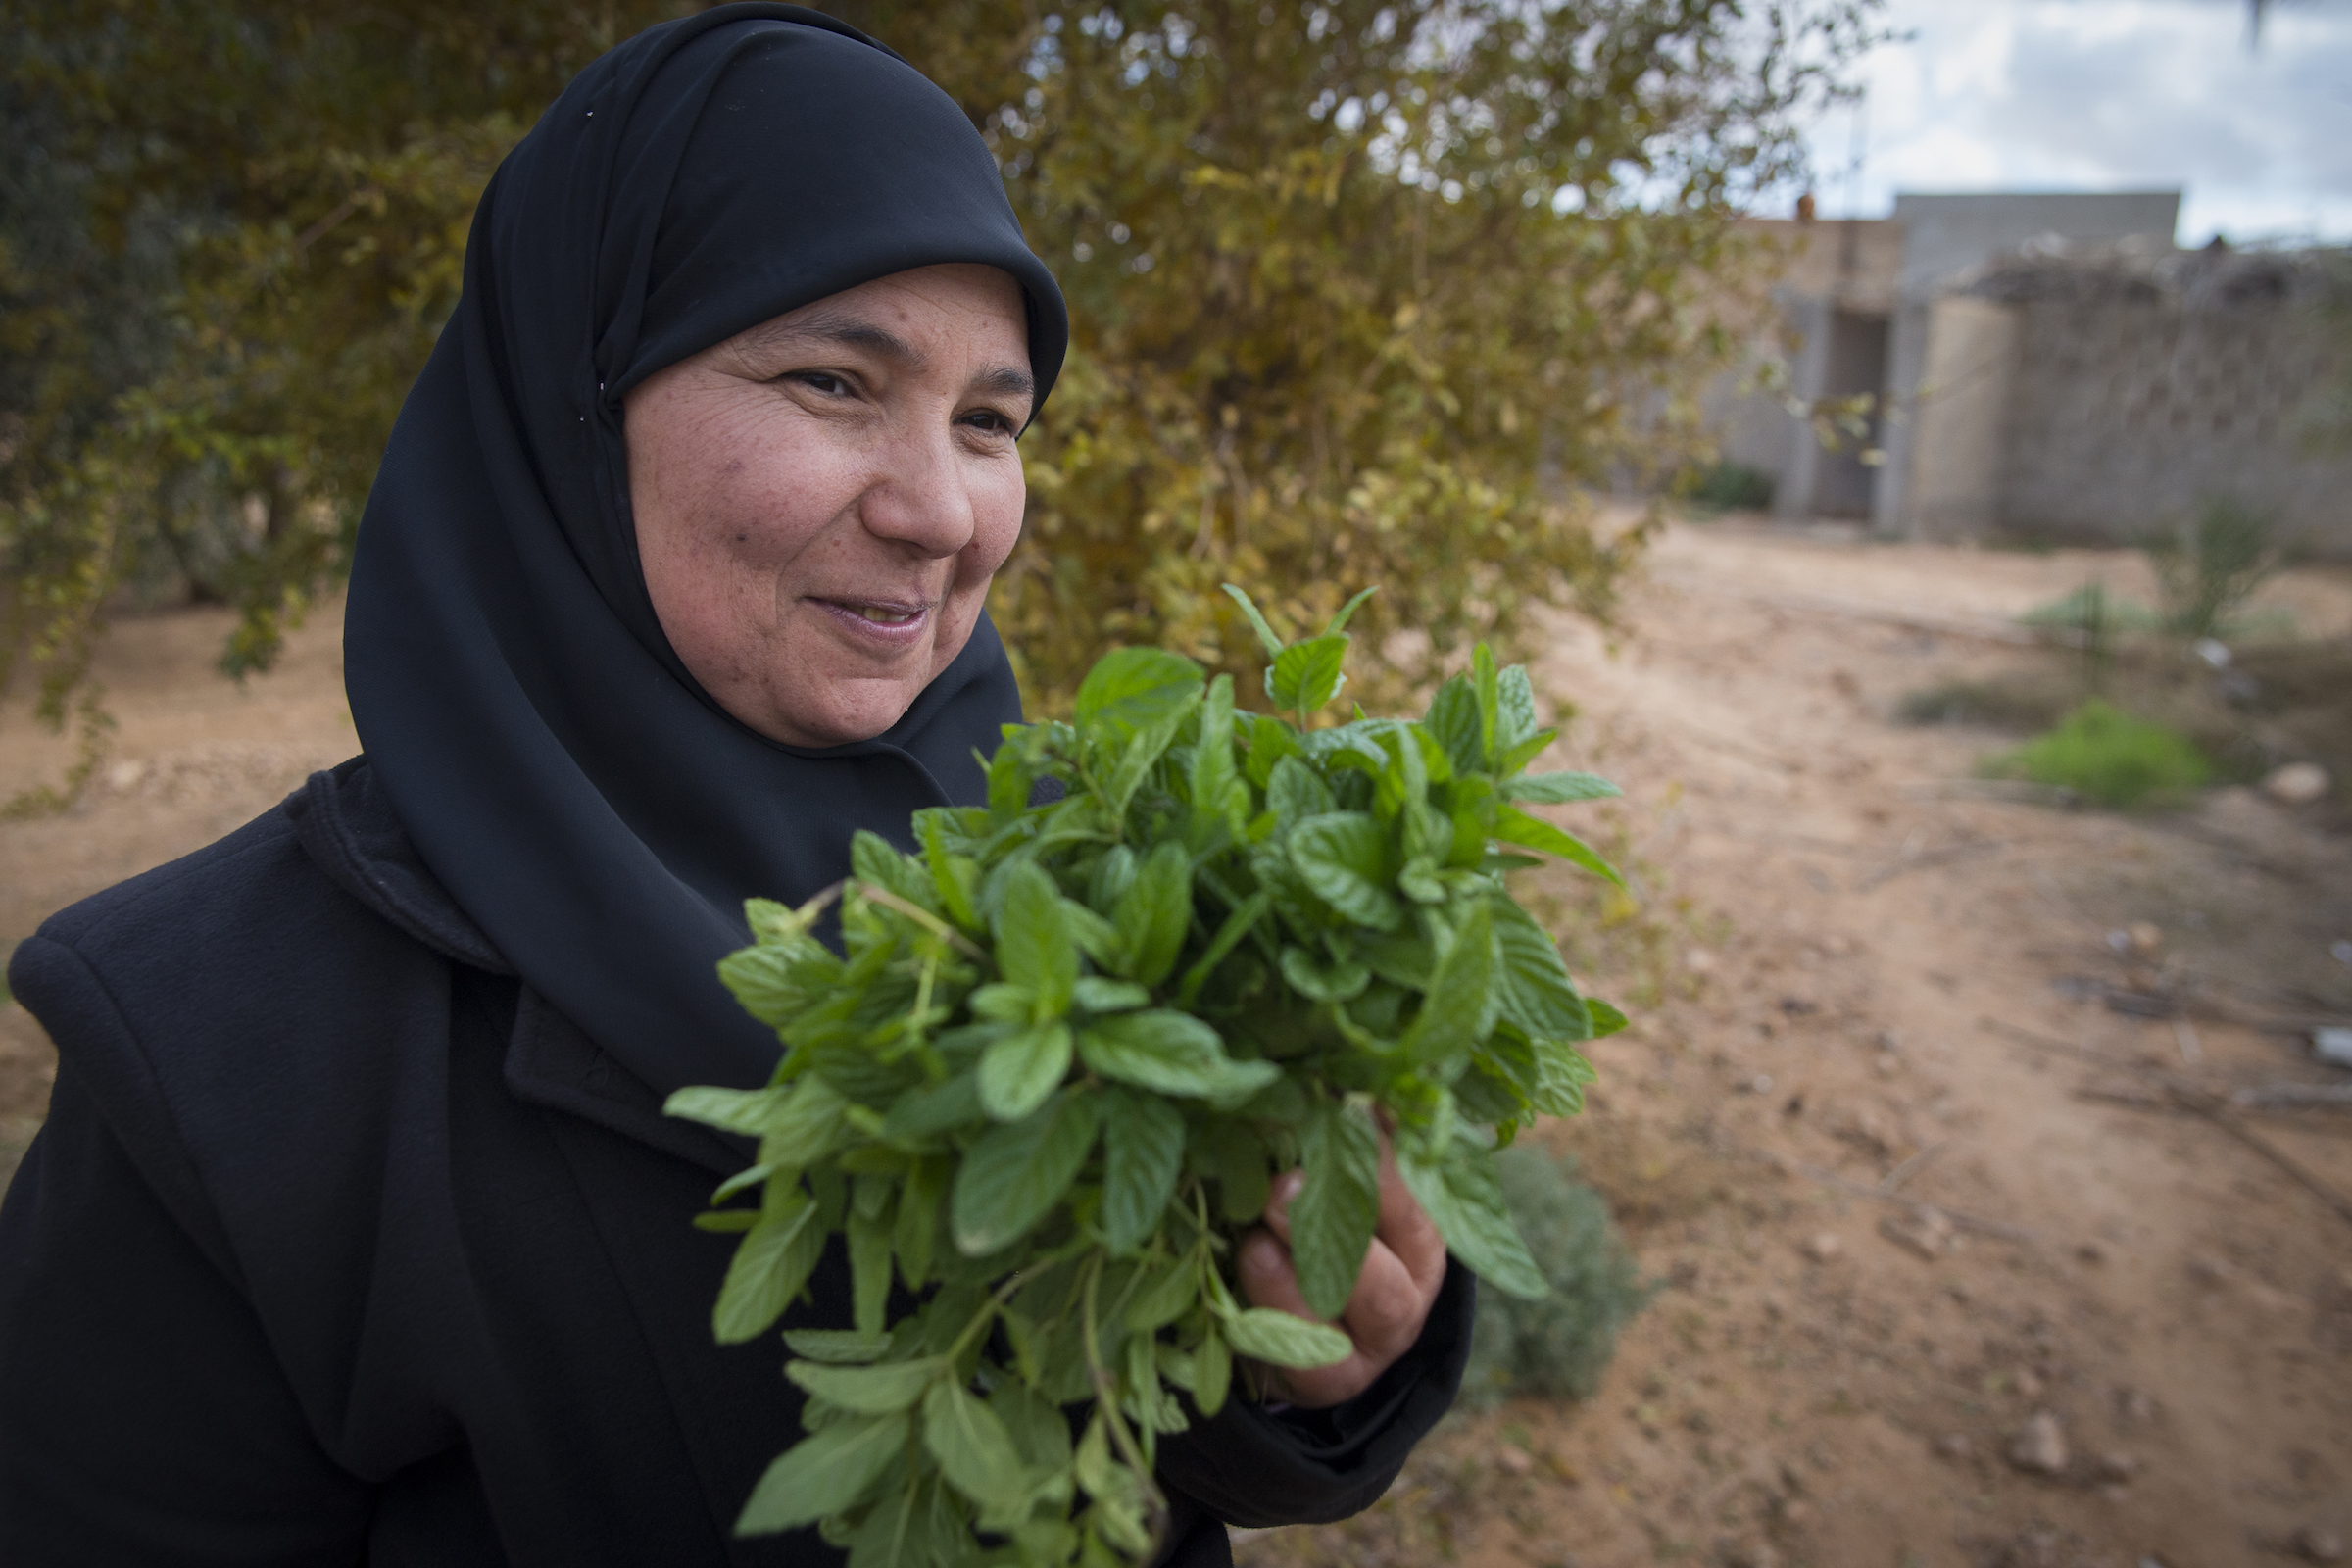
{"x":229,"y":234}
{"x":1364,"y":293}
{"x":1361,"y":293}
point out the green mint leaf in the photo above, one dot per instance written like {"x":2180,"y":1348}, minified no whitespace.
{"x":834,"y":1347}
{"x":1281,"y":1340}
{"x":917,"y":1229}
{"x":1257,"y":622}
{"x":1169,"y":1053}
{"x":731,"y":1221}
{"x":1536,"y":993}
{"x":749,"y":1111}
{"x":1514,"y":826}
{"x":1227,"y":1152}
{"x":1294,"y":792}
{"x":1140,"y":753}
{"x":1155,"y":912}
{"x":1333,"y":1215}
{"x":1040,"y":1432}
{"x":1400,"y":959}
{"x":1486,"y":684}
{"x":1134,"y":689}
{"x":1453,"y":723}
{"x":823,"y":1473}
{"x":1270,"y":741}
{"x":1143,"y":1153}
{"x":1514,"y":715}
{"x":1014,"y":1175}
{"x":1212,"y":1372}
{"x":1461,"y":1195}
{"x":922,"y":1113}
{"x":1323,"y":979}
{"x":956,"y":877}
{"x":1459,"y":1005}
{"x":1213,"y":779}
{"x":869,"y":1265}
{"x":972,"y":1444}
{"x":1308,"y":675}
{"x":1561,"y":1073}
{"x":867,"y":1390}
{"x":1097,"y":993}
{"x":770,"y":1264}
{"x":1235,"y":926}
{"x":1554,"y":789}
{"x":874,"y":860}
{"x":763,"y":980}
{"x":1525,"y":752}
{"x":1011,"y":777}
{"x":1170,"y":1294}
{"x":1034,"y":947}
{"x":1338,"y":622}
{"x":1606,"y":1020}
{"x":809,"y":1126}
{"x":1343,"y":859}
{"x":1018,"y":1071}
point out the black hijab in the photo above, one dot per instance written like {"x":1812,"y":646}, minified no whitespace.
{"x":576,"y":790}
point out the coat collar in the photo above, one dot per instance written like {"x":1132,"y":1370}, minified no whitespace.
{"x":347,"y":826}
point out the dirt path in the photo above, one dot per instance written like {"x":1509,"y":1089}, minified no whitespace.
{"x":1851,"y":979}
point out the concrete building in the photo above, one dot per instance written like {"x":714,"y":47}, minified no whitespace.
{"x":2037,"y":364}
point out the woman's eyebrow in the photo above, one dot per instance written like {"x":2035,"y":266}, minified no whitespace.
{"x":854,"y":331}
{"x":1006,"y":380}
{"x":839,"y":327}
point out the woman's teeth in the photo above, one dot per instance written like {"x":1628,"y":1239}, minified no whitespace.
{"x":882,"y":617}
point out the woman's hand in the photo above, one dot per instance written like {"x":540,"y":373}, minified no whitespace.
{"x":1403,"y":1271}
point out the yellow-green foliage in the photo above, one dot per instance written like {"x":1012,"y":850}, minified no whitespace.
{"x":1362,"y":292}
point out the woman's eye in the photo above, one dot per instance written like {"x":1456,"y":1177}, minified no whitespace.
{"x":824,"y":381}
{"x":990,"y":421}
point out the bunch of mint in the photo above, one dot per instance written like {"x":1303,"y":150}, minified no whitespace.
{"x":1064,"y":1051}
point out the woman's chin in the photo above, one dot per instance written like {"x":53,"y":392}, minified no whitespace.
{"x":861,"y":708}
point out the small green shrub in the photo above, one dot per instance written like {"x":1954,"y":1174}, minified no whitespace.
{"x":1558,"y":1346}
{"x":2092,"y":612}
{"x":1731,"y":487}
{"x":2107,"y":755}
{"x":2209,"y":567}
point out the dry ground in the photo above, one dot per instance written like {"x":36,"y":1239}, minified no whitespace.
{"x":1861,"y":986}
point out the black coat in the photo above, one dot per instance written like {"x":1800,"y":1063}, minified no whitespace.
{"x":341,"y":1245}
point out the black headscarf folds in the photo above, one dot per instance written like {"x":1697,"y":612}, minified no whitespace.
{"x":559,"y":769}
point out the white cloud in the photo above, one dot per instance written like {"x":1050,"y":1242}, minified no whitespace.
{"x":2109,"y":95}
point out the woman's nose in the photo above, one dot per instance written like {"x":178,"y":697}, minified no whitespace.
{"x":921,"y":496}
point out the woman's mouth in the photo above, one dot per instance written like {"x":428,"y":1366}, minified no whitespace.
{"x":879,"y":619}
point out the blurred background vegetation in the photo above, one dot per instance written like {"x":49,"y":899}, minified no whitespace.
{"x":1362,"y":292}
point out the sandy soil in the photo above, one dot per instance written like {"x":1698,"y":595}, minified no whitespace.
{"x":1909,"y":1179}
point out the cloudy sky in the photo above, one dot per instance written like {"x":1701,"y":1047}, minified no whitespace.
{"x":2108,"y":95}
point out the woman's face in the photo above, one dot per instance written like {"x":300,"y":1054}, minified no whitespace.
{"x":822,"y":499}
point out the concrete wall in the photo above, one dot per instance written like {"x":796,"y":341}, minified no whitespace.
{"x":2134,"y":406}
{"x":1959,"y":422}
{"x":1947,"y":238}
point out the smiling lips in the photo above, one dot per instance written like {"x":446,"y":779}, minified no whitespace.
{"x":871,"y":616}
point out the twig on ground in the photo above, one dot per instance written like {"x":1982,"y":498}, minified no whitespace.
{"x":1920,"y":862}
{"x":2023,"y":792}
{"x":1893,"y":1180}
{"x":1880,"y":1194}
{"x":2300,"y":1096}
{"x":2215,"y":1110}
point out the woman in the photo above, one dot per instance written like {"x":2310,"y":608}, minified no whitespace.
{"x":356,"y":1233}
